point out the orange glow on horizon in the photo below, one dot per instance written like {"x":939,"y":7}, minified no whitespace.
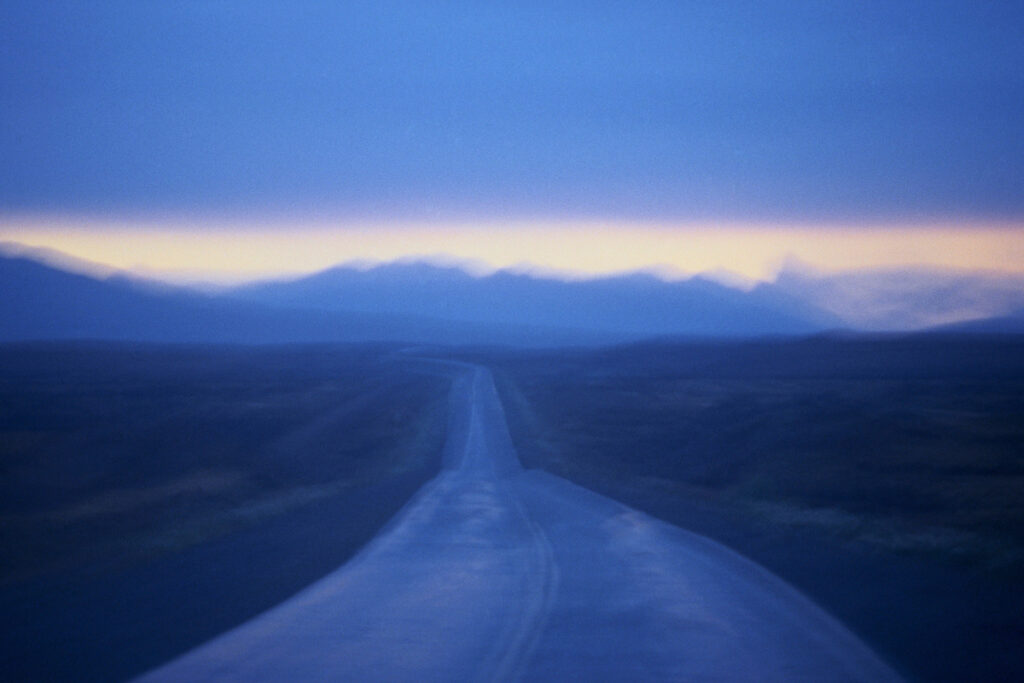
{"x":231,"y":252}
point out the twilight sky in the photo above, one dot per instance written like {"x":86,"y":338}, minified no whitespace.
{"x":356,"y":123}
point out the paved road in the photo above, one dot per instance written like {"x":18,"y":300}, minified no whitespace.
{"x":493,"y":573}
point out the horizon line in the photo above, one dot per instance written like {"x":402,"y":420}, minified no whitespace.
{"x":749,"y":253}
{"x":60,"y":260}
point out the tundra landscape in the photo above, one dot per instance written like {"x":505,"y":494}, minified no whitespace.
{"x":519,"y":341}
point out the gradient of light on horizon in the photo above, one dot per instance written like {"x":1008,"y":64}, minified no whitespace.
{"x":753,"y":253}
{"x":561,"y":122}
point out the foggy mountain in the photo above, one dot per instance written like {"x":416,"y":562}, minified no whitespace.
{"x":903,"y":299}
{"x":407,"y":302}
{"x":634,"y":305}
{"x":42,"y":302}
{"x":418,"y":302}
{"x":1012,"y":323}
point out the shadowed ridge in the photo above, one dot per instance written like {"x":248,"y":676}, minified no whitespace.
{"x":634,"y":304}
{"x":45,"y":303}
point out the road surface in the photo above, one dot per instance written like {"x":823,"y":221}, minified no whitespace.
{"x":494,"y":573}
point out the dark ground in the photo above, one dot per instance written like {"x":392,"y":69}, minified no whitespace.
{"x":153,"y":497}
{"x":883,"y":477}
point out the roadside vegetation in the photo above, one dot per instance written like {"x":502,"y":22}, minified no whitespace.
{"x":885,"y":477}
{"x":208,"y":482}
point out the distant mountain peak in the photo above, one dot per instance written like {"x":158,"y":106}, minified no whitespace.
{"x":635,"y":304}
{"x":56,"y":259}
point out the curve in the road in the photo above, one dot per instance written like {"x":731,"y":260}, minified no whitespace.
{"x":491,"y":573}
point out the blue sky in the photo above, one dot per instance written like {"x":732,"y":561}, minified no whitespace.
{"x":750,"y":111}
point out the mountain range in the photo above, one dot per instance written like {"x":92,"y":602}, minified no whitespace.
{"x":417,"y":302}
{"x":633,"y":305}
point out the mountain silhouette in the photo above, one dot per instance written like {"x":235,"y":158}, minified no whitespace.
{"x":400,"y":302}
{"x":633,"y":305}
{"x":42,"y":302}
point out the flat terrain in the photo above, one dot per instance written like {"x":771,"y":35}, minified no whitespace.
{"x":883,"y":477}
{"x":493,"y":573}
{"x":143,"y":486}
{"x":155,"y":497}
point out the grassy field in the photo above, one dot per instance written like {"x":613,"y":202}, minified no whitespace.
{"x":153,"y":496}
{"x":884,"y":477}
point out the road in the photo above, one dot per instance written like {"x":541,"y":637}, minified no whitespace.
{"x":495,"y":573}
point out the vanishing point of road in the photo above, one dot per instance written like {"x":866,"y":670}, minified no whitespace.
{"x":495,"y":573}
